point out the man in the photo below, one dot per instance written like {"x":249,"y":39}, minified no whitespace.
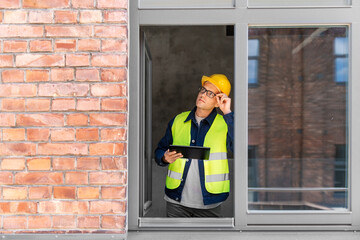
{"x":196,"y":187}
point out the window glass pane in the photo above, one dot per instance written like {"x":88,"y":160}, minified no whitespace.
{"x":298,"y":3}
{"x":341,"y":69}
{"x":297,"y":120}
{"x":341,"y":46}
{"x":253,"y":47}
{"x":253,"y":71}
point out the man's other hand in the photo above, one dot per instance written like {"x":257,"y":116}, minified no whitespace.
{"x":170,"y":157}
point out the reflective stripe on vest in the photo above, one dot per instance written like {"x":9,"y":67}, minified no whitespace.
{"x":216,"y":168}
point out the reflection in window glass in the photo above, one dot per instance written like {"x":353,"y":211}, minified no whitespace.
{"x":253,"y":56}
{"x":341,"y":59}
{"x":298,"y":120}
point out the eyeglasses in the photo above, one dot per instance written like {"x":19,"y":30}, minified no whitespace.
{"x":209,"y":93}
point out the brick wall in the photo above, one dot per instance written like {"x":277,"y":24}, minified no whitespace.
{"x":63,"y":101}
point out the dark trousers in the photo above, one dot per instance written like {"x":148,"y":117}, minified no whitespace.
{"x":176,"y":210}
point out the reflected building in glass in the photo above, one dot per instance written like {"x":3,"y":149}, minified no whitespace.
{"x":297,"y":118}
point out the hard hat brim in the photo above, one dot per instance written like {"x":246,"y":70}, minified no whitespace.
{"x":208,"y":79}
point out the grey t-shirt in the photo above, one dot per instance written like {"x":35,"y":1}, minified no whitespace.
{"x":192,"y":194}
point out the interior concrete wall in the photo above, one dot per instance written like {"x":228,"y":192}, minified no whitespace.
{"x":181,"y":55}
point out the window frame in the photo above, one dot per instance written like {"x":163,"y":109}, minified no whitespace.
{"x":242,"y":18}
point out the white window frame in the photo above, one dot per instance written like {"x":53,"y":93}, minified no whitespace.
{"x":243,"y":17}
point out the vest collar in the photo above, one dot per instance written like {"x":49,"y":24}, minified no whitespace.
{"x":209,"y":119}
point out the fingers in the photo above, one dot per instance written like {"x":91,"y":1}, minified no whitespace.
{"x":171,"y":157}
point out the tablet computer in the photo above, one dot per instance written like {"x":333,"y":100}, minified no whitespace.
{"x":194,"y":152}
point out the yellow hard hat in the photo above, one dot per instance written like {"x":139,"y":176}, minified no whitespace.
{"x":220,"y":81}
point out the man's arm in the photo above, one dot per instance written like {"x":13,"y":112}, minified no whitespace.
{"x":229,"y":119}
{"x":164,"y":144}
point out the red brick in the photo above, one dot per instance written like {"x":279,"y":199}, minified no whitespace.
{"x":6,"y":178}
{"x":41,"y":119}
{"x":62,"y":149}
{"x":109,"y":60}
{"x":62,"y":135}
{"x":14,"y":193}
{"x":114,"y":104}
{"x":89,"y":222}
{"x":15,"y":222}
{"x":38,"y":134}
{"x":38,"y":164}
{"x":15,"y":16}
{"x":77,"y":119}
{"x":113,"y":134}
{"x":13,"y":75}
{"x":111,"y":45}
{"x":65,"y":45}
{"x":7,"y":120}
{"x":13,"y":164}
{"x":112,"y":4}
{"x":19,"y":149}
{"x":114,"y":163}
{"x":13,"y":134}
{"x":88,"y":193}
{"x":115,"y":16}
{"x":38,"y":222}
{"x":113,"y":192}
{"x":107,"y":207}
{"x":63,"y":89}
{"x":108,"y":90}
{"x":43,"y":178}
{"x":87,"y":75}
{"x":108,"y":119}
{"x":40,"y":16}
{"x":65,"y":16}
{"x":64,"y":221}
{"x":59,"y":207}
{"x":88,"y":44}
{"x":18,"y":90}
{"x":39,"y":60}
{"x":88,"y":163}
{"x":37,"y":75}
{"x":77,"y":60}
{"x":37,"y":105}
{"x":110,"y":178}
{"x":63,"y":104}
{"x":15,"y":46}
{"x":88,"y":104}
{"x":113,"y":222}
{"x":46,"y":3}
{"x":112,"y":31}
{"x":93,"y":16}
{"x":62,"y":74}
{"x":63,"y":163}
{"x":23,"y":207}
{"x":76,"y":178}
{"x":87,"y":134}
{"x":41,"y":46}
{"x":83,"y":3}
{"x":23,"y":31}
{"x":9,"y":3}
{"x":64,"y":192}
{"x":68,"y":31}
{"x":6,"y":61}
{"x":10,"y":104}
{"x":40,"y":192}
{"x":113,"y":75}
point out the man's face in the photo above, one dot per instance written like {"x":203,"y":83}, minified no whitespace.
{"x":203,"y":101}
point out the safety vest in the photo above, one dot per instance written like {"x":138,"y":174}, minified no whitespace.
{"x":216,"y":169}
